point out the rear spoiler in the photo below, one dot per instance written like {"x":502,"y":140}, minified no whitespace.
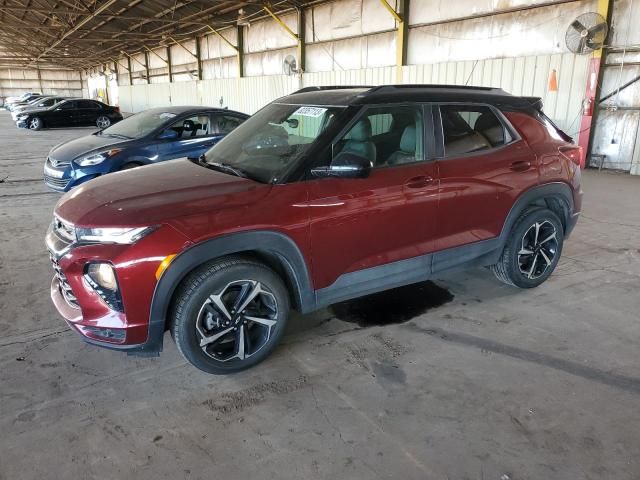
{"x":533,"y":102}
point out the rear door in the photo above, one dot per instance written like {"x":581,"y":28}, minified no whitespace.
{"x":484,"y":166}
{"x":88,"y":112}
{"x":223,"y":124}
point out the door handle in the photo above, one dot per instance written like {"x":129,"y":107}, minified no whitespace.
{"x":419,"y":182}
{"x":520,"y":166}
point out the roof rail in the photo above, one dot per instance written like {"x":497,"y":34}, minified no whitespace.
{"x":433,"y":85}
{"x":329,"y":87}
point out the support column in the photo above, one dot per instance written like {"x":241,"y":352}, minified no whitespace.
{"x":146,"y":66}
{"x":129,"y":70}
{"x":240,"y":51}
{"x":402,"y":32}
{"x":302,"y":51}
{"x":592,"y":91}
{"x":198,"y":58}
{"x":170,"y":64}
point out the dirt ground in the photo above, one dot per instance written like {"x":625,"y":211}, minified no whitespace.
{"x":476,"y":381}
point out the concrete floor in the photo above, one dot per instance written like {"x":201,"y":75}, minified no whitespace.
{"x":498,"y":383}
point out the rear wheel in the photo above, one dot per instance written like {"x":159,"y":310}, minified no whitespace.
{"x":35,"y":123}
{"x":103,"y":121}
{"x":532,"y":250}
{"x":229,"y":315}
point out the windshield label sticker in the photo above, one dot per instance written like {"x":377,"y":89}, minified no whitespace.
{"x":314,"y":112}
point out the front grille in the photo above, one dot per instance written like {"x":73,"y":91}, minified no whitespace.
{"x":58,"y":163}
{"x":56,"y":182}
{"x":65,"y":288}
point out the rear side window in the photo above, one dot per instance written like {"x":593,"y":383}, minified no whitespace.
{"x":469,"y":129}
{"x":88,"y":104}
{"x":226,"y":123}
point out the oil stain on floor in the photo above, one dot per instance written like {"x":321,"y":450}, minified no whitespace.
{"x":392,"y":306}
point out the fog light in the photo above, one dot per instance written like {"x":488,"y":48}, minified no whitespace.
{"x":103,"y":275}
{"x":109,"y":334}
{"x":102,"y":278}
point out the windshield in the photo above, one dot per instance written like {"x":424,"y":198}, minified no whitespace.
{"x":273,"y":139}
{"x":138,"y":125}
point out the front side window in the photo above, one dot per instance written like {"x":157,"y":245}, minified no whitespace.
{"x":193,"y":127}
{"x":272,"y":140}
{"x":386,"y":136}
{"x":469,"y":129}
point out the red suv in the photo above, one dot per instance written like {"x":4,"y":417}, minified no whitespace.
{"x":328,"y":194}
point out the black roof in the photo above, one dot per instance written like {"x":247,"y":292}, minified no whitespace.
{"x":364,"y":95}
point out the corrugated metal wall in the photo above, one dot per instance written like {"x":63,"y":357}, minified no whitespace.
{"x":14,"y":81}
{"x":520,"y":76}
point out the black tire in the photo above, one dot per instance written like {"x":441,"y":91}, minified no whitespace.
{"x":195,"y":315}
{"x":524,"y":263}
{"x":35,"y":123}
{"x":129,"y":166}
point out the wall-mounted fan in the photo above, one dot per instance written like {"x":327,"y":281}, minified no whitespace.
{"x":290,"y":65}
{"x":586,"y":33}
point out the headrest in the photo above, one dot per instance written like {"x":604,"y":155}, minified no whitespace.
{"x":486,"y":121}
{"x":408,"y":139}
{"x":188,"y":126}
{"x":361,"y":131}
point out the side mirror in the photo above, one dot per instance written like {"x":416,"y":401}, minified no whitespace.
{"x":346,"y":165}
{"x":168,"y":135}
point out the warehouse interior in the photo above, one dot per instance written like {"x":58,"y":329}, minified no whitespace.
{"x":467,"y":379}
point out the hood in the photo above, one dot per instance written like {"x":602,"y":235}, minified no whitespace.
{"x":69,"y":151}
{"x":32,"y":110}
{"x":156,"y":194}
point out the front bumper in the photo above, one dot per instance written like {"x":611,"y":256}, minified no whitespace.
{"x":63,"y":179}
{"x":83,"y":308}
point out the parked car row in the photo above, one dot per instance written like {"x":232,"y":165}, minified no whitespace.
{"x":322,"y":196}
{"x":73,"y":112}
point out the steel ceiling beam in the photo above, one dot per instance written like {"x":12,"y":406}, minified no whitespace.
{"x":78,"y":25}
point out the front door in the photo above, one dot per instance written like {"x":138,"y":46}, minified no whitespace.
{"x":87,"y":113}
{"x":64,"y":115}
{"x":378,"y":221}
{"x":195,"y":137}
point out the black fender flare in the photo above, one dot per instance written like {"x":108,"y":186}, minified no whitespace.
{"x":276,"y":246}
{"x":558,"y":190}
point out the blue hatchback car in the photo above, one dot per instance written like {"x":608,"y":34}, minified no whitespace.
{"x":151,"y":136}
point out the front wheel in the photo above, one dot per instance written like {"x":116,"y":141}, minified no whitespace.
{"x":532,"y":250}
{"x":35,"y":123}
{"x":103,"y":121}
{"x":229,"y":315}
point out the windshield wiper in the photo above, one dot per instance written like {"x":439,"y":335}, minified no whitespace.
{"x":222,"y":167}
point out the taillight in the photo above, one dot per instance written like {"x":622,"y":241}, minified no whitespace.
{"x":573,"y":153}
{"x":117,"y":109}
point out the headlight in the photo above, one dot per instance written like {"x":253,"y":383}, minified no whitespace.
{"x":112,"y":235}
{"x":96,"y":158}
{"x":22,"y":116}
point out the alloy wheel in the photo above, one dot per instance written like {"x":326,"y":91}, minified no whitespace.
{"x":103,"y":122}
{"x":538,"y":249}
{"x":34,"y":123}
{"x":237,"y":322}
